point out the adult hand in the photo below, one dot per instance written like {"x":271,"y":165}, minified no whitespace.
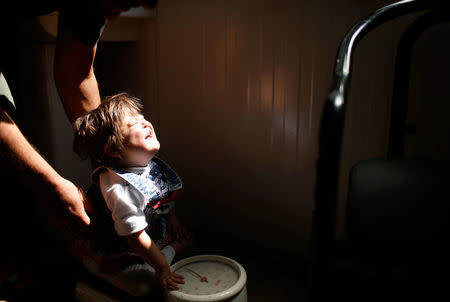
{"x":66,"y":210}
{"x":61,"y":204}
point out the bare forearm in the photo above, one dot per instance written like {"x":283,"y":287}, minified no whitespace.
{"x":21,"y":157}
{"x":60,"y":199}
{"x":77,"y":99}
{"x":144,"y":246}
{"x":74,"y":75}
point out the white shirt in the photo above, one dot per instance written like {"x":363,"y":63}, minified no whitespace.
{"x":125,"y":203}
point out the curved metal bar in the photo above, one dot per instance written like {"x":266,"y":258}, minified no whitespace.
{"x":358,"y":31}
{"x":330,"y":141}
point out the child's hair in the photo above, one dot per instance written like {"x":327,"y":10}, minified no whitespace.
{"x":99,"y":133}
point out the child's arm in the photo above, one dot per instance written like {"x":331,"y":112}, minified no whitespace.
{"x":144,"y":246}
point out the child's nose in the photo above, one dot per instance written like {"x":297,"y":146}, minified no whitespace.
{"x":147,"y":124}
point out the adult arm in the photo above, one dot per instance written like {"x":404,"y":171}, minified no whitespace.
{"x":60,"y":199}
{"x":74,"y":73}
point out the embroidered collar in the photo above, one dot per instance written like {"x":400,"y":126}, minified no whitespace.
{"x":154,"y":182}
{"x":142,"y":171}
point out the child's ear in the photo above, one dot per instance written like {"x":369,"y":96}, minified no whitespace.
{"x":110,"y":151}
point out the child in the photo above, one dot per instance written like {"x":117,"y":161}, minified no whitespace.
{"x":137,"y":232}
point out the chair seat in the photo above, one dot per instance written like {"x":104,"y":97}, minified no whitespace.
{"x":399,"y":201}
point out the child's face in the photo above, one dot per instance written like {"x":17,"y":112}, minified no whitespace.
{"x":141,"y":144}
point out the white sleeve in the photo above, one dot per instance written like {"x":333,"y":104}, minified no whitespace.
{"x":125,"y":203}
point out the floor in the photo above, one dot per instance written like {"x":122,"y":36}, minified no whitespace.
{"x":278,"y":288}
{"x":278,"y":277}
{"x":268,"y":280}
{"x":269,"y":283}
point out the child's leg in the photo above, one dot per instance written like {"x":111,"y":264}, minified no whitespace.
{"x":137,"y":278}
{"x":168,"y":253}
{"x":175,"y":228}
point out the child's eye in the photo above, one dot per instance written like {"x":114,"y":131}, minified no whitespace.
{"x":134,"y":121}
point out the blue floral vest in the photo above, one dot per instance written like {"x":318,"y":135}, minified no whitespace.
{"x":159,"y":188}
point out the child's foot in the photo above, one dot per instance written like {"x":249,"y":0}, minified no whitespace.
{"x":182,"y":243}
{"x":164,"y":242}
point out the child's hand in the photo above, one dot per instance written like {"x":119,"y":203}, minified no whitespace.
{"x":167,"y":279}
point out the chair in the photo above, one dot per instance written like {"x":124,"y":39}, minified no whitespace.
{"x":397,"y":211}
{"x":397,"y":225}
